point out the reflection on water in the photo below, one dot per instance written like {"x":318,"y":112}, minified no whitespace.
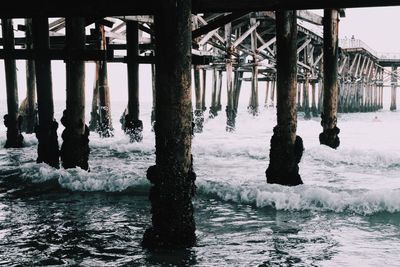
{"x":347,"y":213}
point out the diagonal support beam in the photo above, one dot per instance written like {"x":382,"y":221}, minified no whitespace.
{"x":244,"y":35}
{"x":218,"y":22}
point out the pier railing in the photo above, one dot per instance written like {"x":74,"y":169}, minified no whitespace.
{"x":357,"y":43}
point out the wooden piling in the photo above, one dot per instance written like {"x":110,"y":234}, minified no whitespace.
{"x":172,"y":177}
{"x":133,"y":125}
{"x":46,"y":130}
{"x":381,"y":88}
{"x":153,"y":89}
{"x":214,"y":108}
{"x":75,"y":147}
{"x":230,"y":111}
{"x":203,"y":90}
{"x":105,"y":128}
{"x":306,"y":100}
{"x":299,"y":104}
{"x":273,"y":89}
{"x":94,"y":113}
{"x":329,"y":136}
{"x":267,"y":94}
{"x":28,"y":107}
{"x":219,"y":90}
{"x":198,"y":112}
{"x":286,"y":147}
{"x":253,"y":105}
{"x":314,"y":110}
{"x":394,"y":88}
{"x":237,"y":88}
{"x":320,"y":94}
{"x":11,"y":120}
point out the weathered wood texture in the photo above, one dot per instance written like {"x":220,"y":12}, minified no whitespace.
{"x":94,"y":113}
{"x":133,"y":125}
{"x":75,"y":147}
{"x":329,"y":136}
{"x":230,"y":110}
{"x":14,"y":136}
{"x":198,"y":111}
{"x":92,"y":8}
{"x":46,"y":130}
{"x":306,"y":100}
{"x":286,"y":147}
{"x":172,"y":177}
{"x":28,"y":109}
{"x":105,"y":128}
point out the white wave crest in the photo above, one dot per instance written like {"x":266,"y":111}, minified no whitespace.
{"x":306,"y":197}
{"x":77,"y":179}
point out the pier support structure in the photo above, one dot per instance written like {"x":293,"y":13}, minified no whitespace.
{"x":393,"y":105}
{"x":105,"y":128}
{"x":329,"y":136}
{"x":172,"y":177}
{"x":286,"y":147}
{"x":198,"y":111}
{"x":94,"y":113}
{"x":133,"y":125}
{"x":75,"y":147}
{"x":230,"y":110}
{"x":306,"y":100}
{"x":314,"y":110}
{"x":11,"y":120}
{"x":214,"y":108}
{"x":28,"y":108}
{"x":253,"y":103}
{"x":46,"y":130}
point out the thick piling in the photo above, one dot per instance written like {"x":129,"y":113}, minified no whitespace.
{"x":94,"y":113}
{"x":46,"y":130}
{"x":11,"y":120}
{"x":28,"y":108}
{"x":230,"y":110}
{"x":75,"y":147}
{"x":253,"y":105}
{"x":133,"y":125}
{"x":105,"y":128}
{"x":329,"y":136}
{"x":198,"y":112}
{"x":286,"y":147}
{"x":172,"y":177}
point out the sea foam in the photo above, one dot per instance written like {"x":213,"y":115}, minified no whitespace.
{"x":304,"y":197}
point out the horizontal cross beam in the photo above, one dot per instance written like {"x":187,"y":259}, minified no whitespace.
{"x":15,"y":9}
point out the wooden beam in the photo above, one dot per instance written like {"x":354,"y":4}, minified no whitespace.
{"x":15,"y":9}
{"x":247,"y":33}
{"x":218,"y":22}
{"x":309,"y":17}
{"x":56,"y":54}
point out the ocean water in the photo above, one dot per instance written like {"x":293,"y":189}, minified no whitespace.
{"x":347,"y":213}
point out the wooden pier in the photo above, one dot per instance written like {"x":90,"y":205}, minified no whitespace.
{"x":276,"y":42}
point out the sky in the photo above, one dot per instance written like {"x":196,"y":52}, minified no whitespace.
{"x":377,"y":27}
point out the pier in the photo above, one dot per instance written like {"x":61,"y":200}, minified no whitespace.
{"x":279,"y":43}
